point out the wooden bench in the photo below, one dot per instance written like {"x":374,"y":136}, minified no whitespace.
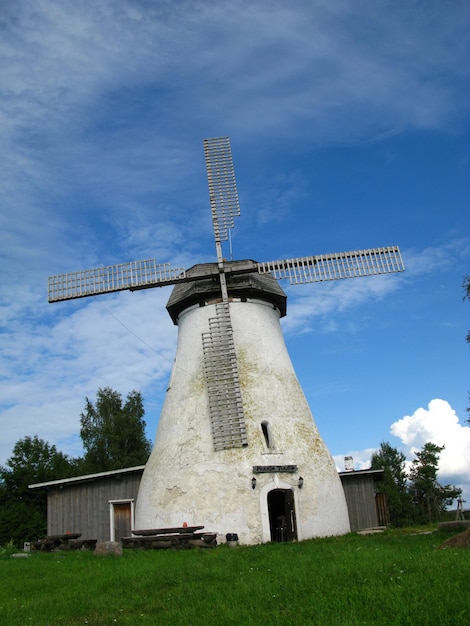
{"x":69,"y":541}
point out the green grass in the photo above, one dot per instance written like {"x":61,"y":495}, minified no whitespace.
{"x":398,"y":577}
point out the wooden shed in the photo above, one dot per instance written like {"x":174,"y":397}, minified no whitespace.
{"x":98,"y":506}
{"x":367,"y":509}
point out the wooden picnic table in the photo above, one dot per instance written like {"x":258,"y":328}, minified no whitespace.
{"x":178,"y":537}
{"x":167,"y":531}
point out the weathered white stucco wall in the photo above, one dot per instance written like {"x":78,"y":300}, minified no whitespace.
{"x":186,"y":481}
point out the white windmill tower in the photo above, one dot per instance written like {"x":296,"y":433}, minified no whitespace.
{"x":237,"y":449}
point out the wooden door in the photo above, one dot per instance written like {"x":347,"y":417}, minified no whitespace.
{"x":122,"y":520}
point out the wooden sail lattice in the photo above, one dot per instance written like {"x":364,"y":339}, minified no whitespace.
{"x":337,"y":266}
{"x":110,"y":278}
{"x":223,"y":194}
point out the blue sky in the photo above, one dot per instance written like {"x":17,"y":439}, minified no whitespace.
{"x":349,"y":128}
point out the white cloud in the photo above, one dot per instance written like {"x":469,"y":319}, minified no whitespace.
{"x":440,"y":425}
{"x":361,"y":459}
{"x":437,"y":424}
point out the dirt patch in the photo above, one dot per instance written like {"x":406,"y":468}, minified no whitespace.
{"x":462,"y":540}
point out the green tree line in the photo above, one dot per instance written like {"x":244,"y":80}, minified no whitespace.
{"x":113,"y":436}
{"x":415,"y":497}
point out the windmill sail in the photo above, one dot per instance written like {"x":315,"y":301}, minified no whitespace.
{"x":223,"y":192}
{"x":311,"y":269}
{"x":220,"y":360}
{"x":133,"y":275}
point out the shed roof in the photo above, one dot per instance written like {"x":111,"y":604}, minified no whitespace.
{"x":377,"y":474}
{"x":87,"y":477}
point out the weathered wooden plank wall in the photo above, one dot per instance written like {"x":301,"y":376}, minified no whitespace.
{"x":83,"y":507}
{"x":360,"y":498}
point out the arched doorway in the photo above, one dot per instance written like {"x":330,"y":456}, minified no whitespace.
{"x":281,"y":509}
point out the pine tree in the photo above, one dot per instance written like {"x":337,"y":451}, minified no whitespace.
{"x":394,"y":483}
{"x":430,"y":498}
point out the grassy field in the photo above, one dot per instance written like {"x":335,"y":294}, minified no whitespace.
{"x":398,"y":577}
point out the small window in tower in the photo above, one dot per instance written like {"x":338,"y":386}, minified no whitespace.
{"x":266,"y":428}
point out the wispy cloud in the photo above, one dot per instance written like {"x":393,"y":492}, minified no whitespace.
{"x":126,"y":342}
{"x":320,"y":301}
{"x":65,"y":59}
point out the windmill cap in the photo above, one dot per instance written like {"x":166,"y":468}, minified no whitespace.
{"x":204,"y":285}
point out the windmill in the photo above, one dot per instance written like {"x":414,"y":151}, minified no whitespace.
{"x":236,"y":448}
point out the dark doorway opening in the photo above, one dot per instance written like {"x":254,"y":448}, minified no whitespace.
{"x":281,"y":510}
